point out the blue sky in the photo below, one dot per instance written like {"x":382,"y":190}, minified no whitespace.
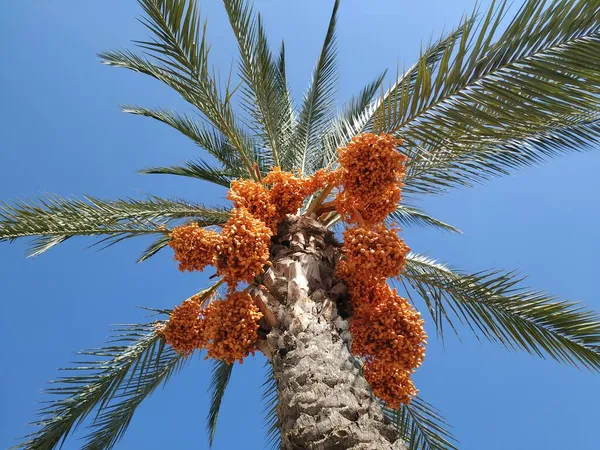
{"x":62,"y":132}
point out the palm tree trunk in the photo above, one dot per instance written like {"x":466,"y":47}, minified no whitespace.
{"x":324,"y":401}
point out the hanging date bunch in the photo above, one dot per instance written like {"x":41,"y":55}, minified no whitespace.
{"x":227,"y":329}
{"x":387,"y":331}
{"x":371,"y":176}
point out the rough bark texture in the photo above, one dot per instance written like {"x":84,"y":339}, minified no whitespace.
{"x":324,"y":401}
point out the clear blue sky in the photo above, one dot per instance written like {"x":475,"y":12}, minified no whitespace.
{"x":61,"y":131}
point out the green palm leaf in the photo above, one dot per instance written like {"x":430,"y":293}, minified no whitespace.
{"x":290,"y":122}
{"x":214,"y":142}
{"x":489,"y":105}
{"x":179,"y":53}
{"x":113,"y":419}
{"x":200,"y":170}
{"x":421,"y":426}
{"x":154,"y":248}
{"x":178,"y":35}
{"x":54,"y":219}
{"x":120,"y":370}
{"x":266,"y":93}
{"x":112,"y":381}
{"x":438,"y":174}
{"x":363,"y":114}
{"x":349,"y":122}
{"x":315,"y":111}
{"x":221,"y":373}
{"x":411,"y":216}
{"x":271,"y":400}
{"x":494,"y":307}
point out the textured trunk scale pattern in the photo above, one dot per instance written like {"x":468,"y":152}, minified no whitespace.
{"x":324,"y":401}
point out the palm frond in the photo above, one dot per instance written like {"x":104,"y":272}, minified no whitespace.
{"x":349,"y":122}
{"x":54,"y":219}
{"x":154,"y":248}
{"x":116,"y":414}
{"x":363,"y":114}
{"x":421,"y":426}
{"x":177,"y":35}
{"x":196,"y":169}
{"x":265,"y":90}
{"x":290,"y":120}
{"x":442,"y":171}
{"x":178,"y":54}
{"x":411,"y":216}
{"x":221,"y":372}
{"x":271,"y":400}
{"x":407,"y":83}
{"x":316,"y":108}
{"x":357,"y":104}
{"x":111,"y":381}
{"x":495,"y":307}
{"x":486,"y":103}
{"x":122,"y":369}
{"x":214,"y":142}
{"x":281,"y":64}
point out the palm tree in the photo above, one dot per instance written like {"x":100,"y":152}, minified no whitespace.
{"x":477,"y":104}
